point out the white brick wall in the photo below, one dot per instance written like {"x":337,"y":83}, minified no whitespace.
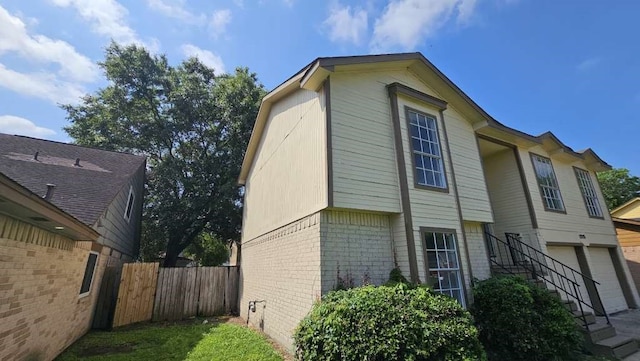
{"x":281,"y":268}
{"x":359,"y":244}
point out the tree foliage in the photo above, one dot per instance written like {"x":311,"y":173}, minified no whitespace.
{"x":208,"y":250}
{"x":193,"y":126}
{"x":618,"y":186}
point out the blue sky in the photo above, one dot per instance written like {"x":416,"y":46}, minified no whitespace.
{"x":570,"y":66}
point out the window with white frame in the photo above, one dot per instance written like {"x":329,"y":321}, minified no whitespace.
{"x":548,"y":183}
{"x":89,"y":272}
{"x":588,"y":193}
{"x":427,"y":152}
{"x":130,"y":200}
{"x":442,"y":260}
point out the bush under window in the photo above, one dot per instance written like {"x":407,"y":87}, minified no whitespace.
{"x":387,"y":323}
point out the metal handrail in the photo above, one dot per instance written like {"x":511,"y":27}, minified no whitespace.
{"x":540,"y":269}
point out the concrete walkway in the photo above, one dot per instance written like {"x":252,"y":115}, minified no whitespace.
{"x":627,"y":323}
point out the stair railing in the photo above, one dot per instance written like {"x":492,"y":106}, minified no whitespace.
{"x":513,"y":255}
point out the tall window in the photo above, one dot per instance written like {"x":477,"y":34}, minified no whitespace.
{"x":129,"y":209}
{"x":89,"y":270}
{"x":588,"y":193}
{"x":548,"y":183}
{"x":427,"y":153}
{"x":442,"y":260}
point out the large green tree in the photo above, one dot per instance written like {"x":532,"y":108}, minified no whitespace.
{"x":618,"y":186}
{"x":193,"y":126}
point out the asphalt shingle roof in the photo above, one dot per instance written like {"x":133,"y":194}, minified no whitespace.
{"x":83,"y":191}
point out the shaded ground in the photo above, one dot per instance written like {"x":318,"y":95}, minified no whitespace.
{"x":193,"y":340}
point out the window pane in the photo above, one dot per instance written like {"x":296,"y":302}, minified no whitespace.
{"x":88,"y":273}
{"x":432,"y":261}
{"x":430,"y":240}
{"x":421,"y":177}
{"x":440,"y":240}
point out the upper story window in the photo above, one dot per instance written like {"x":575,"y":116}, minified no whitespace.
{"x":548,"y":183}
{"x":588,"y":193}
{"x":427,"y":152}
{"x":129,"y":209}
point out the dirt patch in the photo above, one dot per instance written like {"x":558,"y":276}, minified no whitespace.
{"x":103,"y":350}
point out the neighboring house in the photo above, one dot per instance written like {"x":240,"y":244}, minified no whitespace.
{"x":68,"y":215}
{"x":626,"y":219}
{"x":357,"y":165}
{"x":629,"y":210}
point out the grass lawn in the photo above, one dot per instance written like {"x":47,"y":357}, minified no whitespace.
{"x":185,"y":341}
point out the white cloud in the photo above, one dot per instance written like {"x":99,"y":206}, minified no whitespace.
{"x":176,"y":9}
{"x":406,"y":23}
{"x":588,"y":64}
{"x":43,"y":85}
{"x":43,"y":50}
{"x":345,"y":25}
{"x":206,"y":57}
{"x":239,"y":3}
{"x":219,"y":21}
{"x":59,"y":72}
{"x":107,"y":18}
{"x":11,"y":124}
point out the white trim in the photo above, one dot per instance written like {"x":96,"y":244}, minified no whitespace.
{"x":131,"y":198}
{"x":93,"y":274}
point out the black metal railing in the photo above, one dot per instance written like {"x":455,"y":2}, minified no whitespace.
{"x":515,"y":257}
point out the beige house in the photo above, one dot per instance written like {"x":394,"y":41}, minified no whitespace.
{"x":626,"y":219}
{"x":360,"y":164}
{"x":69,"y":216}
{"x":629,"y":210}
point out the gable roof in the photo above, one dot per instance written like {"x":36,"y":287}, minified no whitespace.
{"x":84,"y":190}
{"x":632,"y":203}
{"x":313,"y":75}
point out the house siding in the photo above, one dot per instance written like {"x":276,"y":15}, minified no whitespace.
{"x":288,"y":178}
{"x":508,"y":196}
{"x":632,"y":211}
{"x":117,"y":232}
{"x":283,"y":269}
{"x":560,"y":227}
{"x":477,"y":250}
{"x":40,"y":280}
{"x":356,"y":247}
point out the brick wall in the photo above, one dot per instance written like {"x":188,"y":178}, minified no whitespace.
{"x":632,"y":255}
{"x":40,"y":311}
{"x":281,"y":268}
{"x":359,"y":245}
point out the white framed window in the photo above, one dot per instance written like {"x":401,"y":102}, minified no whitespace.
{"x":443,"y":263}
{"x":426,"y":148}
{"x":89,"y":272}
{"x":588,"y":193}
{"x":548,"y":183}
{"x":130,"y":200}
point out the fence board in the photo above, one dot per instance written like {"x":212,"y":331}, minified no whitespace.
{"x":138,"y":280}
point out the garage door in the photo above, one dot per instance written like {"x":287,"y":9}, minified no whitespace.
{"x":567,"y":256}
{"x":603,"y":272}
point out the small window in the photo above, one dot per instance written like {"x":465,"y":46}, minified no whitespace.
{"x":89,"y":271}
{"x":427,"y":152}
{"x":130,"y":201}
{"x":588,"y":193}
{"x":548,"y":183}
{"x":443,"y":263}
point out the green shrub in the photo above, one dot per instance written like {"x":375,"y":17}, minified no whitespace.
{"x":520,"y":321}
{"x":387,"y":323}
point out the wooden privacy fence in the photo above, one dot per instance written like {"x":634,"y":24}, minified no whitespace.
{"x":148,"y":292}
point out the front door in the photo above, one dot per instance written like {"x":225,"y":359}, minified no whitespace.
{"x":443,"y":263}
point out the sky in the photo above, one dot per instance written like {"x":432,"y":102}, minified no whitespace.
{"x":570,"y":66}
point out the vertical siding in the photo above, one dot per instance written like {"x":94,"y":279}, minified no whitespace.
{"x":559,"y":227}
{"x":507,"y":194}
{"x":288,"y":178}
{"x":117,"y":232}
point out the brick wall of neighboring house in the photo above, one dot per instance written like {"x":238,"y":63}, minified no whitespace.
{"x":41,"y":312}
{"x":359,"y":245}
{"x":632,"y":255}
{"x":281,"y":268}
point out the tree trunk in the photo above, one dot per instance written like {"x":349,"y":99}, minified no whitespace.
{"x":171,"y":256}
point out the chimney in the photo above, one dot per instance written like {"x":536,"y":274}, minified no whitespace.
{"x":35,"y":157}
{"x":77,"y":162}
{"x":50,"y":190}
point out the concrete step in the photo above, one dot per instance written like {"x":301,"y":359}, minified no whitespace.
{"x":581,"y":317}
{"x":570,"y":305}
{"x":598,"y":332}
{"x":617,"y":346}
